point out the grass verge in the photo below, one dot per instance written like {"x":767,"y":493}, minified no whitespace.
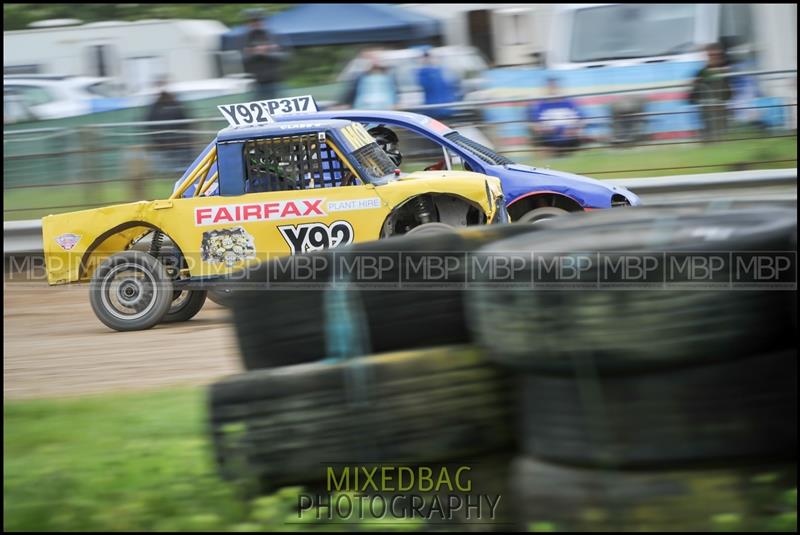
{"x":128,"y":462}
{"x":673,"y":159}
{"x":142,"y":462}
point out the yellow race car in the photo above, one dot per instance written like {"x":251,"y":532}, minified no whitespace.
{"x":261,"y":189}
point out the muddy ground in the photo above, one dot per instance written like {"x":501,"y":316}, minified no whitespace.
{"x":53,"y":346}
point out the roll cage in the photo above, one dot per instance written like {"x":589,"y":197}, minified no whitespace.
{"x":279,"y":160}
{"x":438,"y":132}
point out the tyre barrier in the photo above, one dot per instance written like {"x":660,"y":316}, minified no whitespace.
{"x":634,"y":329}
{"x":647,"y":408}
{"x":650,"y":409}
{"x":287,"y":323}
{"x":283,"y":425}
{"x":284,"y":323}
{"x":740,"y":497}
{"x":729,"y":410}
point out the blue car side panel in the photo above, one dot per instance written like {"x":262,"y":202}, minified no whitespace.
{"x":522,"y":180}
{"x":518,"y":180}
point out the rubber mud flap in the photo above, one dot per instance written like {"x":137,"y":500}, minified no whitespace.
{"x":630,"y":325}
{"x":281,"y":426}
{"x":742,"y":408}
{"x":750,"y":497}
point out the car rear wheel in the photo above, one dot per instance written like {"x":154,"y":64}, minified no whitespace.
{"x":131,"y":291}
{"x":185,"y":305}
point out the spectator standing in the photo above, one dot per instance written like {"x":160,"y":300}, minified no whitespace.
{"x":376,"y":89}
{"x":171,"y":142}
{"x":263,"y":58}
{"x":557,"y":121}
{"x":438,"y":85}
{"x":711,"y":91}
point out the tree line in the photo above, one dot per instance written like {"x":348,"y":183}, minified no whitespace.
{"x":19,"y":16}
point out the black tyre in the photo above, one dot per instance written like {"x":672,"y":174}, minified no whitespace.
{"x":285,"y":425}
{"x":736,"y":497}
{"x":277,"y":326}
{"x":628,"y":329}
{"x":540,"y":214}
{"x":130,"y":291}
{"x":426,"y":229}
{"x":185,"y":305}
{"x":745,"y":408}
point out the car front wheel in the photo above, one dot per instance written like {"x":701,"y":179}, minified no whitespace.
{"x":430,"y":228}
{"x":540,"y":214}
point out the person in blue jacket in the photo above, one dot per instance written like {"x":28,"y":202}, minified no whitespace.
{"x":439,"y":87}
{"x":557,"y":120}
{"x":376,"y":89}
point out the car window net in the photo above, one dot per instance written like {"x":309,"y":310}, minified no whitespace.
{"x":484,"y":153}
{"x":374,"y":161}
{"x":292,"y":163}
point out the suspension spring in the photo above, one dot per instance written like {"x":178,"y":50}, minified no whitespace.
{"x":155,"y":245}
{"x":424,"y":209}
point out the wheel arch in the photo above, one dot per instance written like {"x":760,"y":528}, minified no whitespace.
{"x":116,"y":239}
{"x":437,"y":196}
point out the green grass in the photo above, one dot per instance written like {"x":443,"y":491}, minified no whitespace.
{"x":34,"y":200}
{"x":673,"y":159}
{"x":27,"y":203}
{"x":142,"y":462}
{"x":126,"y":463}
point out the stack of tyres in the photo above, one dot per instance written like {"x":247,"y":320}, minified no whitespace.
{"x":284,"y":425}
{"x":342,"y":370}
{"x":282,"y":314}
{"x":287,"y":319}
{"x":660,"y":403}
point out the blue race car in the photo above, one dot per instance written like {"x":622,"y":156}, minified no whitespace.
{"x":532,"y":193}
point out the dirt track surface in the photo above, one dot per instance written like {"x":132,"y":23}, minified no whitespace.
{"x":54,"y":346}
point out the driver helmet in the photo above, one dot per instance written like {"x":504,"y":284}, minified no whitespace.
{"x":388,"y":141}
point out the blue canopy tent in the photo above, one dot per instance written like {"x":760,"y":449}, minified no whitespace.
{"x":339,"y":24}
